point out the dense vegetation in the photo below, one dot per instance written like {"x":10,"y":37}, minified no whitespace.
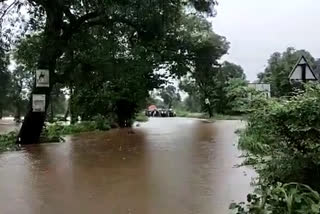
{"x":225,"y":88}
{"x":282,"y":143}
{"x":104,"y":58}
{"x":106,"y":55}
{"x":278,"y":69}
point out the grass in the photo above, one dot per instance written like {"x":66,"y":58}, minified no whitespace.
{"x":182,"y":113}
{"x":204,"y":116}
{"x":228,"y":117}
{"x":57,"y":130}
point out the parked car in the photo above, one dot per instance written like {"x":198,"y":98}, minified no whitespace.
{"x":160,"y":113}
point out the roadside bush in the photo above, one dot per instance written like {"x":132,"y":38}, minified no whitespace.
{"x":56,"y":130}
{"x":102,"y":123}
{"x":283,"y":137}
{"x":291,"y":198}
{"x":282,"y":142}
{"x":8,"y":142}
{"x":141,"y":117}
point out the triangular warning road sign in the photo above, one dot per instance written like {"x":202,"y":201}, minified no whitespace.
{"x":302,"y":71}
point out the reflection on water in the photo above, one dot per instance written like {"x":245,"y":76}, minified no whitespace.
{"x":165,"y":166}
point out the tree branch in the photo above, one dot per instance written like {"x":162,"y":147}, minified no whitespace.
{"x":72,"y":18}
{"x":8,"y":8}
{"x":86,"y":17}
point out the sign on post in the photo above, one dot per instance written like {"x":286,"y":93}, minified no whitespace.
{"x":302,"y":72}
{"x":38,"y":103}
{"x":42,"y":78}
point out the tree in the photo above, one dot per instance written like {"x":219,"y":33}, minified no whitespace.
{"x":4,"y":80}
{"x":20,"y":85}
{"x":278,"y":69}
{"x":214,"y":84}
{"x":192,"y":103}
{"x":64,"y":19}
{"x":227,"y":72}
{"x":237,"y":96}
{"x":169,"y":95}
{"x":205,"y":49}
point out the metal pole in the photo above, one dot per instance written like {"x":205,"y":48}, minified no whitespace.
{"x":303,"y":73}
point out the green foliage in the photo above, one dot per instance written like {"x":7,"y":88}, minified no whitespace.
{"x":279,"y":67}
{"x":291,"y":198}
{"x":56,"y":130}
{"x":169,"y":95}
{"x":102,"y":123}
{"x":192,"y":104}
{"x":282,"y":143}
{"x":8,"y":142}
{"x":224,"y":86}
{"x":236,"y":94}
{"x":287,"y":131}
{"x":4,"y":79}
{"x":141,"y":117}
{"x":20,"y":85}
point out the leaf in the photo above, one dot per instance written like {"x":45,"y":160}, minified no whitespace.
{"x":315,"y":208}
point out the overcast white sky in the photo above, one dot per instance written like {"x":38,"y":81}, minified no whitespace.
{"x":257,"y":28}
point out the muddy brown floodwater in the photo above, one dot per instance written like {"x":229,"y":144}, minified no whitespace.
{"x":167,"y":166}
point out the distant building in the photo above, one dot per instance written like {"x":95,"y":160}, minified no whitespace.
{"x":264,"y":88}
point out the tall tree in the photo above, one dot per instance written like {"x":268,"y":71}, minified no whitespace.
{"x":4,"y":80}
{"x":169,"y":95}
{"x":20,"y":85}
{"x":227,"y":72}
{"x":149,"y":20}
{"x":205,"y":51}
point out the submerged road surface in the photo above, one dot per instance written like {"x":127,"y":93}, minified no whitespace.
{"x":166,"y":166}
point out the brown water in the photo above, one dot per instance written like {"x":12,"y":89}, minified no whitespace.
{"x":167,"y":166}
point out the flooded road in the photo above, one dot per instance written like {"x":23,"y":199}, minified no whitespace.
{"x":167,"y":166}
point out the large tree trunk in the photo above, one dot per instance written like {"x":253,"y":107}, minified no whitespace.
{"x":51,"y":113}
{"x":210,"y":111}
{"x":1,"y":112}
{"x":72,"y":112}
{"x":34,"y":121}
{"x":66,"y":114}
{"x":17,"y":116}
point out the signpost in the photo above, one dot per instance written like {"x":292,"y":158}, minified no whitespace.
{"x":39,"y":100}
{"x":42,"y":78}
{"x":302,"y":72}
{"x":39,"y":103}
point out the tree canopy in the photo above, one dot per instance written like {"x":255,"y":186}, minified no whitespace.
{"x":278,"y":69}
{"x":107,"y":53}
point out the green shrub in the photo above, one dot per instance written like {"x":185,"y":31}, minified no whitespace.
{"x":282,"y":142}
{"x":57,"y":129}
{"x":8,"y":141}
{"x":285,"y":135}
{"x":141,"y":117}
{"x":102,"y":123}
{"x":291,"y":198}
